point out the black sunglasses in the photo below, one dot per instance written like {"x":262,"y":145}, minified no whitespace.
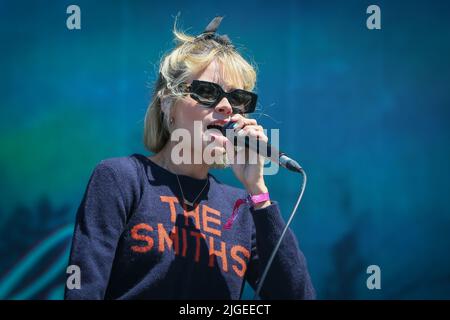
{"x":210,"y":94}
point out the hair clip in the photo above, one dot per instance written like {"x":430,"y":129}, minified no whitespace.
{"x":210,"y":32}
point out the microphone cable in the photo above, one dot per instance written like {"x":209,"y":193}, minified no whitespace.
{"x":277,"y":246}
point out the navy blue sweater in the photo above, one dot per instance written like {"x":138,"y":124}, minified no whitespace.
{"x":134,"y":240}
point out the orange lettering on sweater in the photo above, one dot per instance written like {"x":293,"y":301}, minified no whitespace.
{"x":207,"y":233}
{"x":216,"y":253}
{"x":171,"y":240}
{"x":207,"y":219}
{"x":197,"y":236}
{"x":234,"y":254}
{"x":136,"y":236}
{"x":184,"y":235}
{"x":171,"y":201}
{"x":194,"y":214}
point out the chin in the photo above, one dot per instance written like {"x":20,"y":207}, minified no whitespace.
{"x":219,"y":166}
{"x":221,"y":162}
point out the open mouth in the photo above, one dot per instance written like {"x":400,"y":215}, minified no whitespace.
{"x":217,"y":132}
{"x":215,"y":126}
{"x":219,"y":125}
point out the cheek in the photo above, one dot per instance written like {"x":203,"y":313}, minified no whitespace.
{"x":188,"y":114}
{"x":188,"y":111}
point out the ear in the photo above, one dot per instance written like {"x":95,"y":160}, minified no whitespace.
{"x":165,"y":104}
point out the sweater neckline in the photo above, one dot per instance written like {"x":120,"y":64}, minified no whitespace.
{"x":186,"y":181}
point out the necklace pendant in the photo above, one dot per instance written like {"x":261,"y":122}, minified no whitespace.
{"x":188,"y":202}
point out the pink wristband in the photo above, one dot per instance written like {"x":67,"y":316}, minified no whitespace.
{"x":257,"y":198}
{"x":252,"y":200}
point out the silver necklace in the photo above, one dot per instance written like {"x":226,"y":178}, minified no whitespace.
{"x":182,"y":193}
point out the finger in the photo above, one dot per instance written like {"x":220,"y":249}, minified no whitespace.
{"x":252,"y":127}
{"x":255,"y":131}
{"x":259,"y":128}
{"x":243,"y":122}
{"x":236,"y":117}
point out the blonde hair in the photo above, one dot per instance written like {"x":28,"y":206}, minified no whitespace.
{"x":191,"y":56}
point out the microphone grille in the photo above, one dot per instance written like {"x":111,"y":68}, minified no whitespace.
{"x":229,"y":125}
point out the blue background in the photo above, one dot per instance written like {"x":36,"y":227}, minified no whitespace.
{"x":366,"y":112}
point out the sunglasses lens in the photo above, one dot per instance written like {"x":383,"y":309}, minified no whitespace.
{"x":242,"y":101}
{"x":206,"y":93}
{"x":209,"y":94}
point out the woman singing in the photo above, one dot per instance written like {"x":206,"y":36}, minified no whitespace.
{"x":150,"y":227}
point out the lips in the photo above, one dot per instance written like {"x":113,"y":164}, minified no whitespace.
{"x":215,"y":129}
{"x":218,"y":123}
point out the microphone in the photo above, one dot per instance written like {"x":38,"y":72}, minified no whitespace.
{"x":262,"y":148}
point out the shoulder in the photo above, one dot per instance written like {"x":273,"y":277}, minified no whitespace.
{"x":118,"y":177}
{"x":120,"y":173}
{"x":121,"y":167}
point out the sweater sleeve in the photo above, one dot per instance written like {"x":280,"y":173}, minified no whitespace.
{"x":100,"y":220}
{"x":288,"y":277}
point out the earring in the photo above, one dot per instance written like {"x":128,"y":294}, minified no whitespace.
{"x":171,"y":120}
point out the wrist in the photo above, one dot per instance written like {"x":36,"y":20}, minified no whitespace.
{"x":257,"y":188}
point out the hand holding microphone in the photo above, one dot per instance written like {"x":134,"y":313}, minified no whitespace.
{"x":249,"y":173}
{"x":261,"y":146}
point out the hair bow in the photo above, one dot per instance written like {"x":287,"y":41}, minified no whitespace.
{"x":210,"y":32}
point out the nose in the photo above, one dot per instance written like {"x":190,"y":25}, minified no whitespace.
{"x":224,"y":107}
